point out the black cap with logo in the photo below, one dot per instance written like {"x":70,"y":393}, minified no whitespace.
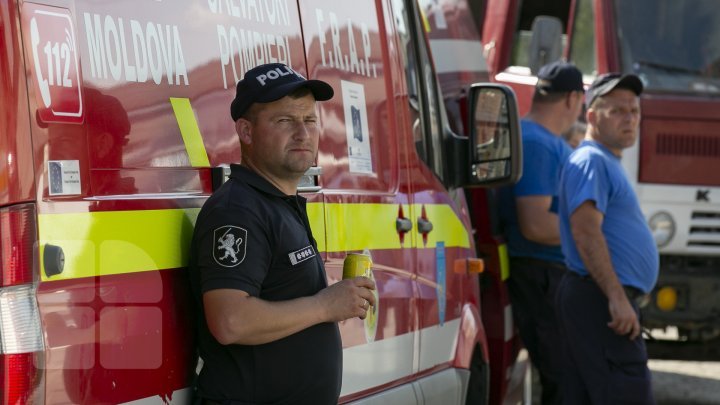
{"x":608,"y":82}
{"x":271,"y":82}
{"x":559,"y":77}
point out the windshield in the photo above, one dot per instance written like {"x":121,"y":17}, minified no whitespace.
{"x":673,"y":45}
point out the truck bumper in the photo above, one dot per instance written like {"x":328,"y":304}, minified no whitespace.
{"x":692,"y":284}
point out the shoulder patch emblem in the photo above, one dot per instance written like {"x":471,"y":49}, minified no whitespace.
{"x":301,"y":255}
{"x":230,"y":245}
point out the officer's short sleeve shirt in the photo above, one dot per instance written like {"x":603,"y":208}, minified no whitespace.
{"x":251,"y":237}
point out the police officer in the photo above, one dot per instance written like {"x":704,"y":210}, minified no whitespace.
{"x":267,"y":319}
{"x":610,"y":253}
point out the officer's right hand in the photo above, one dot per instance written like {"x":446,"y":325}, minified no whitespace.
{"x":347,"y":299}
{"x":623,"y":319}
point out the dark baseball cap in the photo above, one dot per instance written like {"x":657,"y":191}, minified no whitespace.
{"x":271,"y":82}
{"x":559,"y":77}
{"x":608,"y":82}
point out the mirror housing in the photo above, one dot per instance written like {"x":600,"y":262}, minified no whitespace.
{"x":492,"y":155}
{"x":545,"y":43}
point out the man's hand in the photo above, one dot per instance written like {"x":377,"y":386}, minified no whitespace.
{"x":623,"y":319}
{"x":347,"y":298}
{"x":586,"y":225}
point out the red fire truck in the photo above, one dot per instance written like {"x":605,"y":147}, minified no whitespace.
{"x":674,"y":46}
{"x":115,"y":129}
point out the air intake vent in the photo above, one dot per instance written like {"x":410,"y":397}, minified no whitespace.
{"x":705,"y":215}
{"x":688,"y":145}
{"x":705,"y":230}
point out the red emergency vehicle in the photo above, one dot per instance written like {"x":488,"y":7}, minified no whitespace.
{"x":115,"y":130}
{"x":453,"y":28}
{"x":674,"y":47}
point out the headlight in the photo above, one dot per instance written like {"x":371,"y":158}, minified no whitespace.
{"x":662,"y":226}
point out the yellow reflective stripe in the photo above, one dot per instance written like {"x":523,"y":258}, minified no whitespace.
{"x":190,"y":132}
{"x":361,"y":226}
{"x":118,"y":242}
{"x":447,"y":227}
{"x":353,"y":227}
{"x":317,"y":224}
{"x":504,"y":262}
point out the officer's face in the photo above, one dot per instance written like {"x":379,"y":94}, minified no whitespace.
{"x":284,"y":137}
{"x":616,"y":119}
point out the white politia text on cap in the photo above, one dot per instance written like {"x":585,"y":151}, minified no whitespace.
{"x":276,"y":73}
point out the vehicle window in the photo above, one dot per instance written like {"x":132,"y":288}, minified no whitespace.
{"x":674,"y":45}
{"x":344,"y":47}
{"x":422,"y":86}
{"x":582,"y":42}
{"x":523,"y":32}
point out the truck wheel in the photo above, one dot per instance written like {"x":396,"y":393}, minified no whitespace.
{"x":479,"y":385}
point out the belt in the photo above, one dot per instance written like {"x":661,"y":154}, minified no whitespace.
{"x":529,"y":261}
{"x":634,"y":294}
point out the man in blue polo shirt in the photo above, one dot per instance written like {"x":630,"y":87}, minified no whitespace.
{"x":610,"y":254}
{"x":528,"y":212}
{"x":267,"y":330}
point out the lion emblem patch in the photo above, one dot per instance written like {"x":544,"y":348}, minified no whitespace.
{"x":230,"y":245}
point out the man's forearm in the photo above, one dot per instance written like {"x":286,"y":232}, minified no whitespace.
{"x":235,"y":317}
{"x":267,"y":321}
{"x":586,"y":225}
{"x":543,"y":230}
{"x":537,"y":222}
{"x":247,"y":320}
{"x":596,"y":256}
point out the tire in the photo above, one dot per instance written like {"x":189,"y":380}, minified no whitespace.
{"x":478,"y":392}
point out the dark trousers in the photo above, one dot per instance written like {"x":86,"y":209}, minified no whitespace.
{"x":601,"y":367}
{"x":532,"y":286}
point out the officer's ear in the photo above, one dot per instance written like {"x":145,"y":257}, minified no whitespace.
{"x":591,"y":116}
{"x":243,"y":128}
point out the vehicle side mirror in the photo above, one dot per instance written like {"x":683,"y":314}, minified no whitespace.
{"x":495,"y":139}
{"x":545,"y":43}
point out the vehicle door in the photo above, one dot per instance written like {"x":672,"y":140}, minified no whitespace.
{"x":440,"y":225}
{"x":364,"y":184}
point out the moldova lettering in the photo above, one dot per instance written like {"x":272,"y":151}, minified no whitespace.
{"x":150,"y":51}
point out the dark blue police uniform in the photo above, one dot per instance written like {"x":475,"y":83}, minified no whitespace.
{"x":252,"y":237}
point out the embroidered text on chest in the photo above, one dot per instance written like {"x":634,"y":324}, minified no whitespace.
{"x":301,"y":255}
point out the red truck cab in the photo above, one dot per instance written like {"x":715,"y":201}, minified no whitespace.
{"x":674,"y":47}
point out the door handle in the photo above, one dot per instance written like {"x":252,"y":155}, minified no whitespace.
{"x":424,"y":226}
{"x":403,"y":225}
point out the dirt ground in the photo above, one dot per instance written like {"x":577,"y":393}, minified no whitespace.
{"x":676,"y":383}
{"x":686,"y":382}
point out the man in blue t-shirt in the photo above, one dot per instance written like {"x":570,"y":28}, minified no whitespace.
{"x":528,"y":212}
{"x":610,"y":254}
